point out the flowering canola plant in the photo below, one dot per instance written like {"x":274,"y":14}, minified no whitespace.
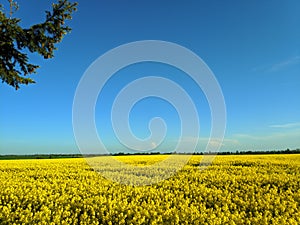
{"x":245,"y":189}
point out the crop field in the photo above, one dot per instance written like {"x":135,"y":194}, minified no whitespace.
{"x":242,"y":189}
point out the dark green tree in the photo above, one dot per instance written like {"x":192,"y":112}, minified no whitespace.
{"x":40,"y":38}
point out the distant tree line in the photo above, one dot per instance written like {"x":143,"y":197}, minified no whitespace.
{"x":56,"y":156}
{"x":287,"y":151}
{"x":40,"y":156}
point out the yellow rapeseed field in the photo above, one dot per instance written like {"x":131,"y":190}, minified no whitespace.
{"x":256,"y":189}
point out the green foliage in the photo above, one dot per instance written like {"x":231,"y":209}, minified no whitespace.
{"x":40,"y":38}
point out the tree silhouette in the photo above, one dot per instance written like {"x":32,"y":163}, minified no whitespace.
{"x":40,"y":38}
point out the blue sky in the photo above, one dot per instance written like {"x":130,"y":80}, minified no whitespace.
{"x":252,"y":47}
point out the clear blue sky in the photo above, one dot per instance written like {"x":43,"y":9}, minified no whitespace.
{"x":253,"y":48}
